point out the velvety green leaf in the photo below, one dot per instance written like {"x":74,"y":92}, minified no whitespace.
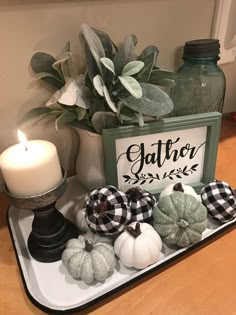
{"x":80,"y":113}
{"x":157,"y":75}
{"x":65,"y":118}
{"x":106,"y":42}
{"x":91,"y":64}
{"x":132,"y":68}
{"x":69,"y":93}
{"x":88,"y":82}
{"x":61,"y":65}
{"x":42,"y":62}
{"x":99,"y":84}
{"x":80,"y":80}
{"x":54,"y":98}
{"x":124,"y":55}
{"x":97,"y":105}
{"x":83,"y":97}
{"x":167,"y":83}
{"x":140,"y":119}
{"x":134,"y":39}
{"x":67,"y":46}
{"x":131,"y":85}
{"x":102,"y":120}
{"x":103,"y":91}
{"x":108,"y":63}
{"x":38,"y":113}
{"x":126,"y":114}
{"x":62,"y":58}
{"x":95,"y":45}
{"x":43,"y":75}
{"x":149,"y":50}
{"x":154,"y":101}
{"x":149,"y":61}
{"x":109,"y":100}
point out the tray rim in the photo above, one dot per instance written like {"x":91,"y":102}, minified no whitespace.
{"x":161,"y":267}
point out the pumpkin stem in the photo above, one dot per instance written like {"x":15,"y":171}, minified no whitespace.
{"x":101,"y":209}
{"x":178,"y":187}
{"x":134,"y":232}
{"x":134,"y":194}
{"x":183,"y":223}
{"x":88,"y":246}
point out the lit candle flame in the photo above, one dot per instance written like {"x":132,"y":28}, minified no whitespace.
{"x":22,"y":138}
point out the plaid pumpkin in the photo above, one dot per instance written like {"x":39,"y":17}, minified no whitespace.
{"x":141,"y":203}
{"x":220,"y":201}
{"x":107,"y":210}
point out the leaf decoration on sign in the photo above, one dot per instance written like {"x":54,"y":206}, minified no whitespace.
{"x":141,"y":179}
{"x":180,"y":172}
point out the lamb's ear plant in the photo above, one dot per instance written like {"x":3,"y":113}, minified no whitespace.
{"x":119,"y":86}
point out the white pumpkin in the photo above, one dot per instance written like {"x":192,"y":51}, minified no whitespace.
{"x":138,"y":246}
{"x":171,"y":188}
{"x":81,"y":221}
{"x":90,"y":257}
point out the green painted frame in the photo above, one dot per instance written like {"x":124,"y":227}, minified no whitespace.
{"x":210,"y":120}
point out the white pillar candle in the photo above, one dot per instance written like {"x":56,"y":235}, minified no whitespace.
{"x":31,"y":167}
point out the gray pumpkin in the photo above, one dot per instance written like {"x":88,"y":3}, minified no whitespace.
{"x":180,"y":219}
{"x":89,"y":257}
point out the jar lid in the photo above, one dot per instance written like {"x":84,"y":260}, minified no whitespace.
{"x":202,"y":48}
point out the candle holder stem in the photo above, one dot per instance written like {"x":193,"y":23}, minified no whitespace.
{"x":50,"y":229}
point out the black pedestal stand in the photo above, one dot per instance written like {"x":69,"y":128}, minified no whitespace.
{"x":50,"y":229}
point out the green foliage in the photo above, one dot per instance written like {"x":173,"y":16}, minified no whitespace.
{"x":118,"y":87}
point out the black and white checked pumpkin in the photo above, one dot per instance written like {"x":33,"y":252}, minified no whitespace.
{"x":107,"y":211}
{"x":141,"y":203}
{"x":220,"y":201}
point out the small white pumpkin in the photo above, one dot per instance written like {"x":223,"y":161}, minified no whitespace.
{"x":90,"y":257}
{"x":171,"y":188}
{"x":138,"y":246}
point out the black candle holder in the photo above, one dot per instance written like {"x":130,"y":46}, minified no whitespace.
{"x":50,"y":229}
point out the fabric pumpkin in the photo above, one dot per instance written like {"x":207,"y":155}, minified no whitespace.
{"x":138,"y":246}
{"x":220,"y":201}
{"x":170,"y":189}
{"x":180,"y":219}
{"x":90,"y":257}
{"x":107,"y":210}
{"x":141,"y":203}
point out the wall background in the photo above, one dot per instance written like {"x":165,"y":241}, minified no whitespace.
{"x":28,"y":26}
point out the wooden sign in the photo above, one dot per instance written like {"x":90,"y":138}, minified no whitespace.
{"x":181,"y":149}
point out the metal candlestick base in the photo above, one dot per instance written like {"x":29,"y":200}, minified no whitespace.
{"x":50,"y":229}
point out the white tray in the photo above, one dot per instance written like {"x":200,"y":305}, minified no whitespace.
{"x":52,"y":289}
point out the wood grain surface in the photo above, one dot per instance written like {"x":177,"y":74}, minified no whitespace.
{"x":204,"y":283}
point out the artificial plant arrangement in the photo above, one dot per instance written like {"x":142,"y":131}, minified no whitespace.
{"x":118,"y":86}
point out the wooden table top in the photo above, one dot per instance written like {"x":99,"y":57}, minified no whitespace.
{"x":204,"y":283}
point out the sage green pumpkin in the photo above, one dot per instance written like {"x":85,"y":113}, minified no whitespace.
{"x":89,"y":257}
{"x":180,"y":219}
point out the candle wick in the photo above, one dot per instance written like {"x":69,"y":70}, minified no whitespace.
{"x":26,"y":149}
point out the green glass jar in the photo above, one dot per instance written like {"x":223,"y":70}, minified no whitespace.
{"x":200,"y":86}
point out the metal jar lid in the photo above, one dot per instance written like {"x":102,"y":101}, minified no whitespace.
{"x":202,"y":48}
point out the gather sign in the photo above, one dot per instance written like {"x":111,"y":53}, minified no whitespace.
{"x":152,"y":161}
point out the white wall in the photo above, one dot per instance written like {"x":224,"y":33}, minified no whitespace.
{"x":28,"y":26}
